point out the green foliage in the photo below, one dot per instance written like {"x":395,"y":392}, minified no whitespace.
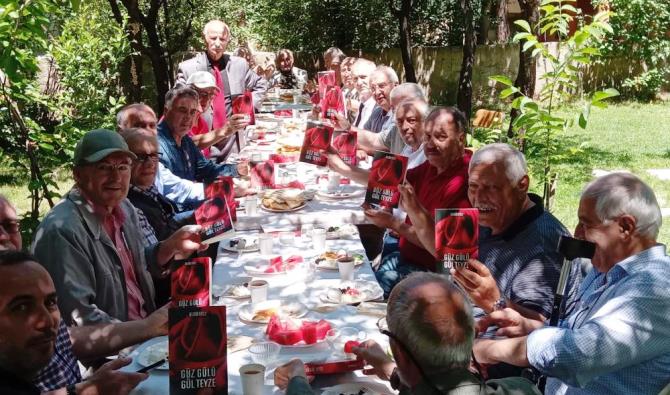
{"x":641,"y":34}
{"x":542,"y":127}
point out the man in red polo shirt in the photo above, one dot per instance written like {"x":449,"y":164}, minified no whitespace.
{"x":440,"y":182}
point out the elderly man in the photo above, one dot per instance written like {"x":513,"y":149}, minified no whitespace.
{"x":382,"y":82}
{"x":430,"y":330}
{"x":101,"y":268}
{"x":617,"y":341}
{"x":365,"y":102}
{"x":287,"y":76}
{"x":439,"y":182}
{"x":39,"y":353}
{"x":10,"y":236}
{"x":202,"y":133}
{"x":184,"y":193}
{"x":233,"y":77}
{"x":179,"y":153}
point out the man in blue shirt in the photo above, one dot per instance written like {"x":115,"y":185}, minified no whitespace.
{"x":617,"y":340}
{"x":179,"y":154}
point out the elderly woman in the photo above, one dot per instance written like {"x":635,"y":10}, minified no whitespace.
{"x":287,"y":76}
{"x":440,"y":182}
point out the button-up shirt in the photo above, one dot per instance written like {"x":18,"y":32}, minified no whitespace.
{"x":186,"y":161}
{"x":617,"y":340}
{"x":62,"y":369}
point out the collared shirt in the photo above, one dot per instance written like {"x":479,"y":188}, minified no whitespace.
{"x":186,"y":161}
{"x":148,"y":231}
{"x":201,"y":127}
{"x":185,"y":193}
{"x":295,"y":79}
{"x":435,"y":190}
{"x":62,"y":370}
{"x":377,"y":120}
{"x":524,"y":261}
{"x":617,"y":341}
{"x":365,"y":112}
{"x":113,"y":225}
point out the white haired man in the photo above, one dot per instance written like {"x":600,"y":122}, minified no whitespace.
{"x":430,"y":328}
{"x":360,"y":75}
{"x":233,"y":77}
{"x":617,"y":340}
{"x":382,"y":82}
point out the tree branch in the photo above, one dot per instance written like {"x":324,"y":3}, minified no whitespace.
{"x":116,"y":11}
{"x":394,"y":10}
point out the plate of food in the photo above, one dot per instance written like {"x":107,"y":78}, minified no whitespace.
{"x":154,"y":353}
{"x":283,"y":200}
{"x":341,"y":232}
{"x":292,"y":332}
{"x":352,"y":293}
{"x":273,"y":266}
{"x":350,"y":389}
{"x":262,"y":312}
{"x":241,"y":244}
{"x":238,"y":290}
{"x":328,"y":260}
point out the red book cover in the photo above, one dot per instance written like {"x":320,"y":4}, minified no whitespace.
{"x":349,"y":365}
{"x":214,"y":217}
{"x":456,"y":237}
{"x":244,"y":104}
{"x":326,"y":81}
{"x":345,"y":145}
{"x":191,"y":283}
{"x":223,"y":186}
{"x":197,"y":350}
{"x":387,"y":172}
{"x":332,"y":103}
{"x":315,"y":144}
{"x":262,"y":175}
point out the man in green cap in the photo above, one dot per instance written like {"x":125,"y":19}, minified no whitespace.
{"x":91,"y":242}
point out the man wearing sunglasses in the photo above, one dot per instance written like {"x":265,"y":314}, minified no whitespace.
{"x":431,"y":330}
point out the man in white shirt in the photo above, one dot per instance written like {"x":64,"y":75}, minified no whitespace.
{"x":360,"y":73}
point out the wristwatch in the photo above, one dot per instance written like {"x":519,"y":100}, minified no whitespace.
{"x":499,"y":304}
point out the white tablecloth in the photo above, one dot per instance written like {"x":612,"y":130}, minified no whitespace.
{"x":230,"y":266}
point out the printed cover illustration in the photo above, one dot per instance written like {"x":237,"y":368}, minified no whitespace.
{"x":456,"y":237}
{"x":345,"y":144}
{"x":315,"y":144}
{"x":198,"y":350}
{"x":332,"y":104}
{"x":191,"y":283}
{"x":244,"y":104}
{"x":387,"y":172}
{"x":214,"y":217}
{"x":326,"y":80}
{"x":223,"y":186}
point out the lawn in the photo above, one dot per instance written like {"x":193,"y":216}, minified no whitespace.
{"x":630,"y":136}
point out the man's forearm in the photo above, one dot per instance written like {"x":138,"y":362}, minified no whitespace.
{"x":97,"y":341}
{"x":511,"y":351}
{"x":354,"y":173}
{"x":208,"y":139}
{"x":424,"y":228}
{"x":407,"y":231}
{"x":369,"y":141}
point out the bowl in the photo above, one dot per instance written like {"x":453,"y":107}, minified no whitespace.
{"x":264,"y":352}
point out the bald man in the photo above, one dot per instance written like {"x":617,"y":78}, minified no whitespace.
{"x":431,"y":330}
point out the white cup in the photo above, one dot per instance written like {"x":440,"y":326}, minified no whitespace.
{"x":251,"y":205}
{"x":306,"y":232}
{"x":346,"y":268}
{"x":333,"y":182}
{"x":319,"y":239}
{"x":287,"y":238}
{"x":259,"y":291}
{"x":253,"y":378}
{"x":265,"y":242}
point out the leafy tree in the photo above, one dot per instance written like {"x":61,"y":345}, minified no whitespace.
{"x":640,"y":32}
{"x":544,"y":127}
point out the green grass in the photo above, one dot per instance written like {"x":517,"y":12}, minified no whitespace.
{"x":627,"y":136}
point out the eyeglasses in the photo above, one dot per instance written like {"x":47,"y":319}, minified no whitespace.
{"x":10,"y":226}
{"x":108,"y":168}
{"x":382,"y":325}
{"x":144,"y":158}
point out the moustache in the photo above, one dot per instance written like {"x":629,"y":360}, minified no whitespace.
{"x":49,"y":336}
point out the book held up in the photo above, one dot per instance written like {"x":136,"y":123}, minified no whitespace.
{"x":456,"y":237}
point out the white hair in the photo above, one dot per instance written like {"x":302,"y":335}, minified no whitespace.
{"x":388,"y":72}
{"x":435,"y":347}
{"x":618,"y":194}
{"x":226,"y":29}
{"x":409,"y":90}
{"x":418,"y":104}
{"x":508,"y":156}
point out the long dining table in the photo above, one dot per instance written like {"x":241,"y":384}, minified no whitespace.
{"x":308,"y":286}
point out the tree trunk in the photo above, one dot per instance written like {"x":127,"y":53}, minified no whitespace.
{"x":131,"y":68}
{"x":403,"y":15}
{"x":484,"y":23}
{"x":525,"y":78}
{"x":503,"y":24}
{"x":464,"y":100}
{"x":162,"y":76}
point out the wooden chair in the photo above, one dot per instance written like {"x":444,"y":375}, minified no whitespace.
{"x":488,"y":119}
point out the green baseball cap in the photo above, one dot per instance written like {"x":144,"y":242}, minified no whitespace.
{"x":97,"y":144}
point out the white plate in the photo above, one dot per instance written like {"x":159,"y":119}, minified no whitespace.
{"x":228,"y":293}
{"x":369,"y":291}
{"x":251,"y":244}
{"x":332,"y":265}
{"x":342,"y":193}
{"x":283,"y":211}
{"x":154,"y":353}
{"x":346,"y":231}
{"x":291,"y":309}
{"x":350,"y":389}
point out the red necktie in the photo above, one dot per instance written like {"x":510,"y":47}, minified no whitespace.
{"x":219,"y":113}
